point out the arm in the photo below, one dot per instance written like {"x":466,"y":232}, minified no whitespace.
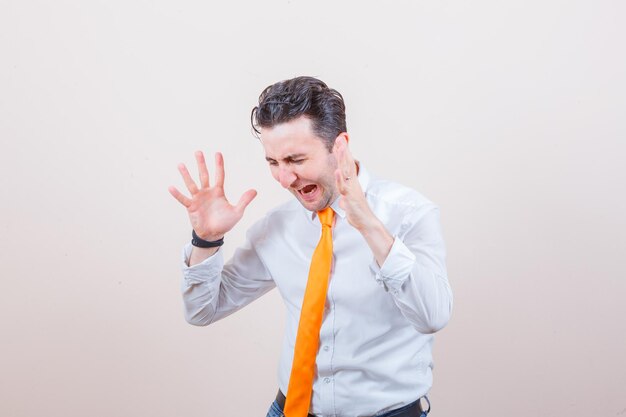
{"x":414,"y":272}
{"x":211,"y":216}
{"x":212,"y":290}
{"x":410,"y":266}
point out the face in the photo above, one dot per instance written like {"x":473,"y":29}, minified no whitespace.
{"x":301,"y":163}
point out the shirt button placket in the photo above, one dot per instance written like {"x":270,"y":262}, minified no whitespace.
{"x":326,"y":380}
{"x":326,"y":385}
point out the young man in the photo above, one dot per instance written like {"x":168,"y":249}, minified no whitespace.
{"x":362,"y":301}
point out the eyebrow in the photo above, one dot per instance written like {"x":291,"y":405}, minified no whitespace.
{"x":288,"y":157}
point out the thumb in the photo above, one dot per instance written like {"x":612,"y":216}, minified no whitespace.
{"x":245,"y":199}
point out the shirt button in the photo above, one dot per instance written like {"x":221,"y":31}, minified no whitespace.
{"x":327,"y":380}
{"x":326,"y":348}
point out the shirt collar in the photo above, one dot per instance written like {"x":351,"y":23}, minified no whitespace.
{"x":364,"y":180}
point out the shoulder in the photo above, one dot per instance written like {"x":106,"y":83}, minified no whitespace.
{"x":275,"y":220}
{"x":398,"y":206}
{"x":391,"y":193}
{"x":284,"y":212}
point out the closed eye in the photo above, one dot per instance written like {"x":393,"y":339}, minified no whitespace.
{"x":287,"y":160}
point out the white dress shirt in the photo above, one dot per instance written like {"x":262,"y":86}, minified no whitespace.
{"x":376,"y":337}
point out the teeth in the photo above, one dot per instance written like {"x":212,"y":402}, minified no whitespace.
{"x":310,"y":189}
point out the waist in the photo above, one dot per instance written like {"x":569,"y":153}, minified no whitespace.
{"x":359,"y":359}
{"x":411,"y":410}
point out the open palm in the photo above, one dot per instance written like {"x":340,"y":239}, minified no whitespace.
{"x":210,"y":213}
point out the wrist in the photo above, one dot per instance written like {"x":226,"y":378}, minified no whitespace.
{"x":370,"y":226}
{"x":199,"y":255}
{"x":206,"y":241}
{"x":379,"y":240}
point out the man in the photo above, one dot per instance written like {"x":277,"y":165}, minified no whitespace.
{"x":366,"y":349}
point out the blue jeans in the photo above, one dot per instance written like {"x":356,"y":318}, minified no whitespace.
{"x":275,"y":410}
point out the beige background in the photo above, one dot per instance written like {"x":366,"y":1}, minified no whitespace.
{"x":509,"y":115}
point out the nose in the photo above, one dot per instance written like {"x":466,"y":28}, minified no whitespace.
{"x":286,"y":176}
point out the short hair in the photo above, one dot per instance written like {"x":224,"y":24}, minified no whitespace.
{"x":302,"y":96}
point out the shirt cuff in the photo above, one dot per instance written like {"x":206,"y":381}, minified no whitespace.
{"x":396,"y":268}
{"x":203,"y":271}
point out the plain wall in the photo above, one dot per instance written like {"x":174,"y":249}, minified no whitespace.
{"x":509,"y":115}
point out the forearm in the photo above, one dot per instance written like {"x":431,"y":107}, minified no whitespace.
{"x":199,"y":255}
{"x":422,"y":293}
{"x":212,"y":290}
{"x":378,"y":239}
{"x":415,"y":272}
{"x":200,"y":284}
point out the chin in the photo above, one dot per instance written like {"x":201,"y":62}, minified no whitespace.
{"x":313,"y":205}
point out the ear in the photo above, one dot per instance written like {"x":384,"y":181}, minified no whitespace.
{"x":341,"y":139}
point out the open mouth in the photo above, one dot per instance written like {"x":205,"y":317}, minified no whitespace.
{"x":309,"y":192}
{"x":307,"y":189}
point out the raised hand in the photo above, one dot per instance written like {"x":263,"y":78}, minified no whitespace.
{"x":353,"y":201}
{"x":210,"y":213}
{"x":352,"y":198}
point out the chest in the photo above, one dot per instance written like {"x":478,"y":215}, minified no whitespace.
{"x":352,"y":284}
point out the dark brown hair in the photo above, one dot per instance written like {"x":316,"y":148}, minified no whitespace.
{"x":302,"y":96}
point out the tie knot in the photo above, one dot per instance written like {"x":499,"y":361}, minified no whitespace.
{"x":326,"y":216}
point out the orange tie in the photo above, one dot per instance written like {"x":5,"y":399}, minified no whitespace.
{"x":307,"y":340}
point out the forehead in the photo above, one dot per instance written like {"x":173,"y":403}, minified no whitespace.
{"x":292,"y":137}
